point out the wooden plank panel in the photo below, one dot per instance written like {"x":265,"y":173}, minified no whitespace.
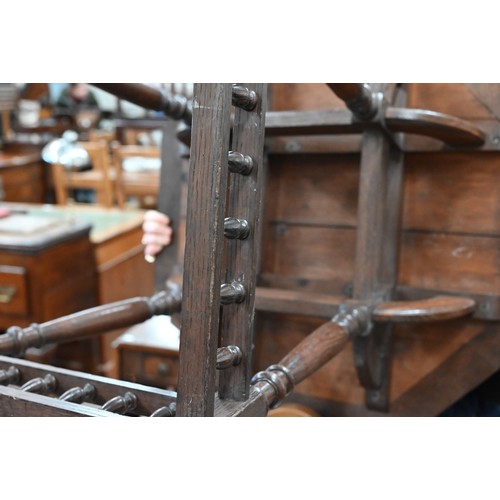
{"x":451,"y":98}
{"x":295,"y":96}
{"x":320,"y":189}
{"x":312,"y":253}
{"x":459,"y":263}
{"x":452,"y":192}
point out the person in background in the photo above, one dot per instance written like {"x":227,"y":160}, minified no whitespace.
{"x":77,"y":95}
{"x":78,"y":103}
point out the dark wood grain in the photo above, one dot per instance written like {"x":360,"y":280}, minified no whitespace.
{"x":149,"y":399}
{"x":203,"y":253}
{"x":359,"y":98}
{"x":245,"y":200}
{"x":433,"y":309}
{"x":176,"y":107}
{"x":88,"y":323}
{"x":449,"y":129}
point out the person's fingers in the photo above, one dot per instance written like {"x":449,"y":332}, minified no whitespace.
{"x":157,"y":233}
{"x":154,"y":215}
{"x":151,"y":250}
{"x":156,"y":238}
{"x":155,"y":227}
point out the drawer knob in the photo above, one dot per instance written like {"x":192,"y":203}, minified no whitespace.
{"x":6,"y":293}
{"x":163,"y":368}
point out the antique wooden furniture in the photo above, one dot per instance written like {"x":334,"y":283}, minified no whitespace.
{"x":408,"y":329}
{"x":55,"y":276}
{"x":137,"y":170}
{"x":100,"y":178}
{"x":39,"y":278}
{"x":148,"y":353}
{"x":22,"y":174}
{"x":448,"y":232}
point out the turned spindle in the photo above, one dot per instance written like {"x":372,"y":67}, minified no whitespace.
{"x":10,"y":376}
{"x":278,"y":380}
{"x":174,"y":106}
{"x":41,"y":385}
{"x":79,"y":394}
{"x":91,"y":322}
{"x":165,"y":411}
{"x":121,"y":404}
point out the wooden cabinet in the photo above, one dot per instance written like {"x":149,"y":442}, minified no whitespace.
{"x":76,"y":258}
{"x":23,"y":175}
{"x":47,"y":271}
{"x":149,"y":353}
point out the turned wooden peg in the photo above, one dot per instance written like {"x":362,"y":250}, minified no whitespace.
{"x":236,"y":229}
{"x":238,"y":163}
{"x":41,"y":385}
{"x":121,"y":404}
{"x":232,"y":293}
{"x":228,"y":356}
{"x":10,"y":376}
{"x":244,"y":98}
{"x":165,"y":411}
{"x":79,"y":394}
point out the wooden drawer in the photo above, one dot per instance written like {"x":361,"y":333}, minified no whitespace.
{"x":13,"y":291}
{"x":158,"y":370}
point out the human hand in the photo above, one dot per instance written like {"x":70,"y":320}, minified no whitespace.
{"x":157,"y":233}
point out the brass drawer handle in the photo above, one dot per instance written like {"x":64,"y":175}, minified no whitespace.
{"x":6,"y":293}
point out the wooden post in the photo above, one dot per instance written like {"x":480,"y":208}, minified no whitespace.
{"x":203,"y":252}
{"x":245,"y":202}
{"x":379,"y":208}
{"x":169,"y":202}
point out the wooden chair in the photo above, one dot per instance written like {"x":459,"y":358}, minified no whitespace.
{"x":141,"y":181}
{"x":96,"y":135}
{"x":100,"y":178}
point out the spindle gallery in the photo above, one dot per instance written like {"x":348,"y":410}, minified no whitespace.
{"x":333,"y":252}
